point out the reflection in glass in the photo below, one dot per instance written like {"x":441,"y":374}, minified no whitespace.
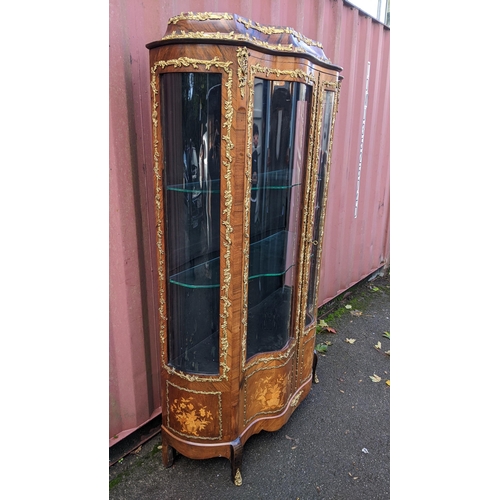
{"x":191,"y":120}
{"x":281,"y":124}
{"x":328,"y":101}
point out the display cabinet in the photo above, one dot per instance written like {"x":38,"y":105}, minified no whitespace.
{"x":242,"y":126}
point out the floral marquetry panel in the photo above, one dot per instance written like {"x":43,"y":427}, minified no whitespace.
{"x":194,"y":414}
{"x":267,"y":392}
{"x":242,"y":119}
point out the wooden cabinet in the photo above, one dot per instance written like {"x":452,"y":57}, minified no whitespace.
{"x":242,"y":121}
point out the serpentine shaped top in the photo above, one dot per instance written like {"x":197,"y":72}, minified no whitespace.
{"x":224,"y":28}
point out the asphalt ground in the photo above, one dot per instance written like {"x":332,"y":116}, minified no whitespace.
{"x":335,"y":445}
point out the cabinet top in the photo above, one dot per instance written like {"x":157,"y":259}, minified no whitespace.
{"x":232,"y":29}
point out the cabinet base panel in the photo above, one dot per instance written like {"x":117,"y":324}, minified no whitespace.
{"x":233,"y":450}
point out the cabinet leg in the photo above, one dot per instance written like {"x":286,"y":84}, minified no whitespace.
{"x":168,"y":453}
{"x":315,"y":364}
{"x":236,"y":460}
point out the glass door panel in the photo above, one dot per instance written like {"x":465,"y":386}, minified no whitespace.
{"x":326,"y":124}
{"x":191,"y":118}
{"x":281,"y":127}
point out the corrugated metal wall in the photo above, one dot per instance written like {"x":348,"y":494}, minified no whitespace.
{"x":356,"y":239}
{"x":354,"y":246}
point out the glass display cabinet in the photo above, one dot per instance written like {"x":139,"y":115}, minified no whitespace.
{"x":242,"y":122}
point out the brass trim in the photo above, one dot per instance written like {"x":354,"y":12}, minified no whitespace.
{"x":304,"y":268}
{"x":290,"y":73}
{"x":200,"y":16}
{"x":312,"y":337}
{"x":249,"y":24}
{"x":238,"y":481}
{"x":228,"y":200}
{"x":285,"y":355}
{"x":310,"y":204}
{"x":271,"y":30}
{"x":303,"y":377}
{"x":295,"y":400}
{"x":238,"y":37}
{"x":183,"y":34}
{"x":242,"y":54}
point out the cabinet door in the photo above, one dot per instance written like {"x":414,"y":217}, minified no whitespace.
{"x":191,"y":131}
{"x":281,"y":111}
{"x":321,"y":184}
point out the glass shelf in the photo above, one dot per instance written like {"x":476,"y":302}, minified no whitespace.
{"x":278,"y":179}
{"x":200,"y":276}
{"x":270,"y":180}
{"x":268,"y":259}
{"x":268,"y":256}
{"x":194,"y":188}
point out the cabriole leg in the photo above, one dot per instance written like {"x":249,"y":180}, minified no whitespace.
{"x":315,"y":364}
{"x":236,"y":460}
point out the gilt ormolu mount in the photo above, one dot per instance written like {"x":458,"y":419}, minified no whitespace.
{"x":243,"y":118}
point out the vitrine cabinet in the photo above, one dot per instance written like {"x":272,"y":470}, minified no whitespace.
{"x":242,"y":126}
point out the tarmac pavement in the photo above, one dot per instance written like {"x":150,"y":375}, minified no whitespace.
{"x":335,"y":445}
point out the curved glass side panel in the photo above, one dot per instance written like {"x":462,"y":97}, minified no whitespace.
{"x":191,"y":117}
{"x":328,"y":103}
{"x":281,"y":127}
